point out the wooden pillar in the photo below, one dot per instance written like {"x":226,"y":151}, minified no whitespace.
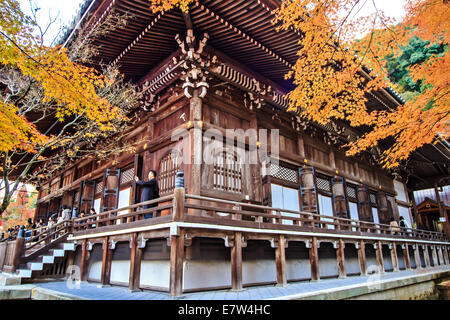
{"x":314,"y":259}
{"x":394,"y":256}
{"x":70,"y":260}
{"x":17,"y":253}
{"x":362,"y":257}
{"x":442,"y":212}
{"x":106,"y":262}
{"x":446,"y":257}
{"x":434,"y":255}
{"x":340,"y":256}
{"x":176,"y":263}
{"x":416,"y":214}
{"x":427,"y":257}
{"x":280,"y":259}
{"x":441,"y":256}
{"x":135,"y":264}
{"x":236,"y":262}
{"x":406,"y":256}
{"x":84,"y":265}
{"x":379,"y":255}
{"x":417,"y":257}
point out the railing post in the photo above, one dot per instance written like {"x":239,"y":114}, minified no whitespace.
{"x":178,"y":197}
{"x":18,"y":249}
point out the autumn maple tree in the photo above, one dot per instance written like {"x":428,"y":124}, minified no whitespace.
{"x":54,"y":87}
{"x":336,"y":69}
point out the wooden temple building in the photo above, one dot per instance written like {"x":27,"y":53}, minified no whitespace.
{"x":311,"y":214}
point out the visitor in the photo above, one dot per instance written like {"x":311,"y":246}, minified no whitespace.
{"x":75,"y":213}
{"x":150,"y":191}
{"x":66,"y":214}
{"x":394,"y":226}
{"x":92,"y":213}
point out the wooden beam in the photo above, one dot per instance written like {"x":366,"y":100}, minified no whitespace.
{"x":280,"y":260}
{"x":406,"y":257}
{"x":341,"y":259}
{"x":394,"y":256}
{"x":176,"y":263}
{"x":379,"y":254}
{"x":362,"y":258}
{"x":236,"y":262}
{"x":106,"y":262}
{"x":314,"y":260}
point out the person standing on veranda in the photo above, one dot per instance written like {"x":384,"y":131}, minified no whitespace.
{"x":150,"y":191}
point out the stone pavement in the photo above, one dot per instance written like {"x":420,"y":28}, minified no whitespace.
{"x":321,"y":290}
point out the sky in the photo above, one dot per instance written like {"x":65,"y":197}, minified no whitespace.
{"x":65,"y":10}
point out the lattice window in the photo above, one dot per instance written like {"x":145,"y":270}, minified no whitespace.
{"x":283,"y":173}
{"x":99,"y":187}
{"x":351,"y":192}
{"x":227,"y":173}
{"x":373,"y":199}
{"x":127,"y":175}
{"x":323,"y":184}
{"x":168,"y":167}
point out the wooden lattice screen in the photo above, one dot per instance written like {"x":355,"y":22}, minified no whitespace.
{"x":168,"y":167}
{"x":227,"y":173}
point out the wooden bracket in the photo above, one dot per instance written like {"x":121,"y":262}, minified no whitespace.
{"x":229,"y":241}
{"x":141,"y":243}
{"x":112,"y":244}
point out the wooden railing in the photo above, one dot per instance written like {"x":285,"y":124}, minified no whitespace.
{"x":128,"y":214}
{"x":20,"y":250}
{"x":219,"y":210}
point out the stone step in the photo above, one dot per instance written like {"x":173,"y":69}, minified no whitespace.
{"x":35,"y":266}
{"x":24,"y":273}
